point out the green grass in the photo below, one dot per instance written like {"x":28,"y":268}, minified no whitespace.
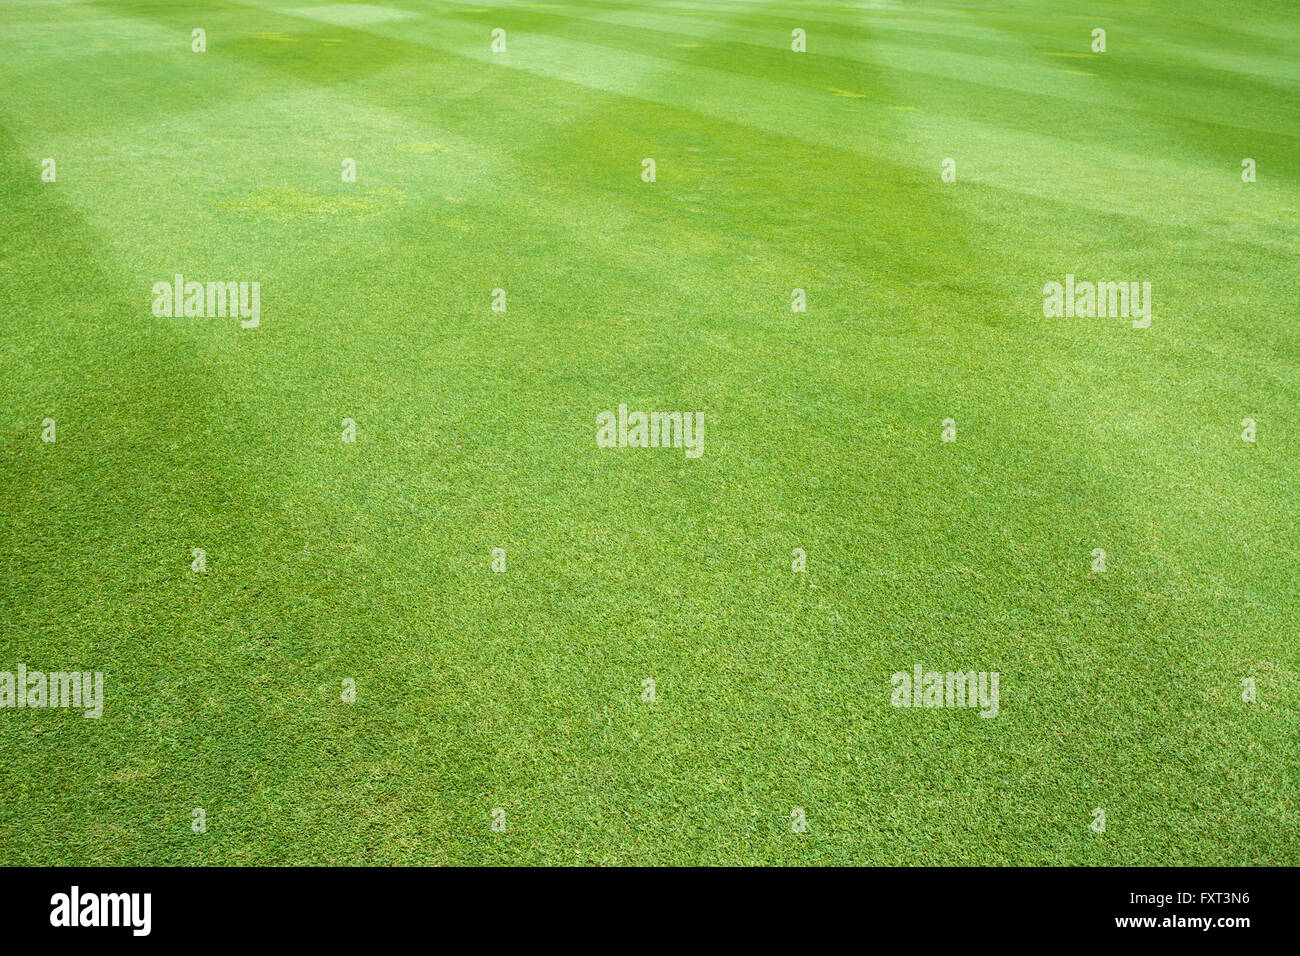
{"x":475,"y":430}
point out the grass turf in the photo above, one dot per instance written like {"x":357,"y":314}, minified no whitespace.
{"x":475,"y":430}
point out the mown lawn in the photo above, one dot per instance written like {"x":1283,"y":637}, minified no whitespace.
{"x":371,"y":561}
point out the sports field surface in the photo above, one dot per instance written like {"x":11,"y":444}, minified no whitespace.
{"x":280,"y":538}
